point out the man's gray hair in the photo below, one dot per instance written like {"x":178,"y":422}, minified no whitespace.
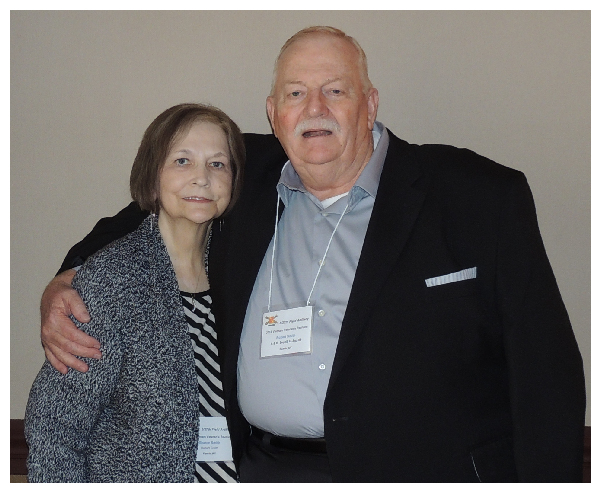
{"x":332,"y":31}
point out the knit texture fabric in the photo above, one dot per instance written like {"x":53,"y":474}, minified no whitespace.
{"x":133,"y":417}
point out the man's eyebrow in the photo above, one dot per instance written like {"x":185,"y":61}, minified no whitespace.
{"x":300,"y":82}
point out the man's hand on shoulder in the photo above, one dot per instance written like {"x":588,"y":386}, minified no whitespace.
{"x":61,"y":339}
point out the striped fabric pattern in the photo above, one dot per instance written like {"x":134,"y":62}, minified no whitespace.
{"x":201,"y":327}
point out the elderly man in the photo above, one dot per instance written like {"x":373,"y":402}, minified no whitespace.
{"x":400,"y":322}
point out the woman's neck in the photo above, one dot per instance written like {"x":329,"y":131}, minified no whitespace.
{"x":186,"y":244}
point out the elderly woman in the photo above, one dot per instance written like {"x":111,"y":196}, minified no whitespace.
{"x":151,"y":410}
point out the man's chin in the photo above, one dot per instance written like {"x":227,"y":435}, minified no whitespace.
{"x":313,"y":160}
{"x":319,"y":150}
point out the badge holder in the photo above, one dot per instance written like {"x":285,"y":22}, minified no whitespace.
{"x":214,"y":443}
{"x":286,"y":332}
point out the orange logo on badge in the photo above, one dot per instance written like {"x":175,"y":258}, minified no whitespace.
{"x":270,"y":320}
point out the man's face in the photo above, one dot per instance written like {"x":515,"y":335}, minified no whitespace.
{"x":318,"y":109}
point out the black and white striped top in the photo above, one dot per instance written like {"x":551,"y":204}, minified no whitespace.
{"x":201,"y":327}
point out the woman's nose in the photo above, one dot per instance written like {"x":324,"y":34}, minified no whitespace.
{"x":200,"y":176}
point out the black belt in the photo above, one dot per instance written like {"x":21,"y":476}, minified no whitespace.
{"x":316,"y":445}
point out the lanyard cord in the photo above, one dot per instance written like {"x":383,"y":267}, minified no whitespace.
{"x":320,"y":265}
{"x":273,"y":255}
{"x":325,"y":255}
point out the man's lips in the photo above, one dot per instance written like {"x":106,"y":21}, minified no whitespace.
{"x":316,"y":127}
{"x":316,"y":133}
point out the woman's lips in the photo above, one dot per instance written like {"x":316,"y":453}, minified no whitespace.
{"x":197,"y":199}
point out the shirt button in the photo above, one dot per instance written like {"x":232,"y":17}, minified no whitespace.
{"x":321,"y":313}
{"x":321,"y":262}
{"x":322,"y":366}
{"x":325,"y":214}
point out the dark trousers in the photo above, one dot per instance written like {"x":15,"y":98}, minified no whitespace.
{"x":265,"y":463}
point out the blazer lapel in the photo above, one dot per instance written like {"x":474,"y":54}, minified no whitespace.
{"x":401,"y":192}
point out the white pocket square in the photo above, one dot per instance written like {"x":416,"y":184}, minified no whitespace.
{"x":466,"y":274}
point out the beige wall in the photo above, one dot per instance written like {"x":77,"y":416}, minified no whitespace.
{"x":514,"y":86}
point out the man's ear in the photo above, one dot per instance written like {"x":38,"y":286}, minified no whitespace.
{"x":373,"y":104}
{"x":271,"y":113}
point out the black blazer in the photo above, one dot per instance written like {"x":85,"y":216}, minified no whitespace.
{"x":477,"y":380}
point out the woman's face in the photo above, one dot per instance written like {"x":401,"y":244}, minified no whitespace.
{"x":195,"y":182}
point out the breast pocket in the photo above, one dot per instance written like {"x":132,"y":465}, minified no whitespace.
{"x":452,"y":290}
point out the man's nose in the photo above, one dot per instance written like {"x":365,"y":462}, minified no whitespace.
{"x":316,"y":105}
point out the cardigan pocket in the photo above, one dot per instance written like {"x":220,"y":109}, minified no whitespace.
{"x":494,"y":461}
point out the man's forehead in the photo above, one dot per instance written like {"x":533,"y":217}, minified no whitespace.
{"x":316,"y":59}
{"x":325,"y":43}
{"x":328,"y":62}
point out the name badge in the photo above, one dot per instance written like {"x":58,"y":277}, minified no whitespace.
{"x":286,"y":332}
{"x":214,"y":443}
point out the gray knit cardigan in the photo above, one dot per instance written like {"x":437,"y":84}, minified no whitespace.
{"x":133,"y":417}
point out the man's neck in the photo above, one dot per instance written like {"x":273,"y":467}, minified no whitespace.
{"x":333,"y":178}
{"x":323,"y":187}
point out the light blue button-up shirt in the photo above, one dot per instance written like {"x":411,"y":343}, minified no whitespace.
{"x":285,"y":395}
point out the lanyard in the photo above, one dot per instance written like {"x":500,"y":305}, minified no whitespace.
{"x":322,"y":260}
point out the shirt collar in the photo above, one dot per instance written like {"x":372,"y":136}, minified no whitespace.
{"x":367,"y":182}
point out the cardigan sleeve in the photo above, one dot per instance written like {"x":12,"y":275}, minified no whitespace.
{"x":547,"y":391}
{"x":62,"y":409}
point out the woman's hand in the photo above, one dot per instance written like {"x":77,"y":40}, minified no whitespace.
{"x":61,"y":339}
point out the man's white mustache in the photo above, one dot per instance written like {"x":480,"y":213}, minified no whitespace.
{"x":317,"y":124}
